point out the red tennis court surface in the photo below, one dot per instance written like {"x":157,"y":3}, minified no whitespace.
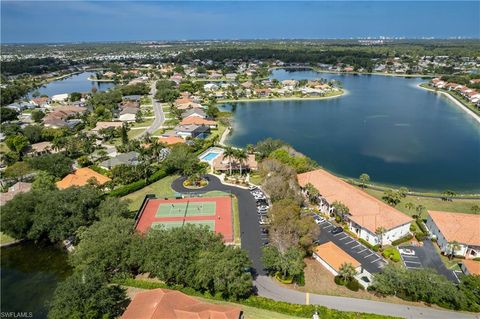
{"x":222,"y":217}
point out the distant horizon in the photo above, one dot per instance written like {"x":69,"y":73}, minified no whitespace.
{"x":246,"y":40}
{"x":46,"y":22}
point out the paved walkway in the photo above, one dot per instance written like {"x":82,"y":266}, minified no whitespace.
{"x":266,"y":287}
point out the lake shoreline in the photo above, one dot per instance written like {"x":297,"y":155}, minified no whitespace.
{"x":462,"y":106}
{"x":279,"y":99}
{"x":354,"y":73}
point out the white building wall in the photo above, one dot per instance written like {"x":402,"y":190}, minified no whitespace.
{"x":391,"y":235}
{"x":442,"y":241}
{"x":324,"y":264}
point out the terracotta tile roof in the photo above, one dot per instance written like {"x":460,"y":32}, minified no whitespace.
{"x":171,"y":304}
{"x":364,"y":209}
{"x":197,"y":121}
{"x":464,"y":228}
{"x":335,"y":256}
{"x":81,"y":177}
{"x":472,"y":266}
{"x":171,"y":140}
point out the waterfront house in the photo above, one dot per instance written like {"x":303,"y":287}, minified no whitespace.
{"x":170,"y":140}
{"x":198,"y":121}
{"x":290,"y":83}
{"x":20,"y":106}
{"x":194,"y":112}
{"x":192,"y":131}
{"x":464,"y":229}
{"x":367,"y":215}
{"x":172,"y":304}
{"x":60,"y":116}
{"x":60,"y":98}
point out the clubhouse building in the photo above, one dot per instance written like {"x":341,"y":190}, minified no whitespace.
{"x":367,"y":215}
{"x":456,"y":227}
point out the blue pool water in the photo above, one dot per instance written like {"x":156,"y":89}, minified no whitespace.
{"x":210,"y":156}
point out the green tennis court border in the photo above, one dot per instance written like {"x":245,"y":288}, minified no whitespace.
{"x":173,"y":224}
{"x":191,"y":208}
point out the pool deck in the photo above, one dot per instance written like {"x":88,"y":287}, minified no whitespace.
{"x":217,"y":150}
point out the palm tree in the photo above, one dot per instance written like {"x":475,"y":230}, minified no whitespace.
{"x":241,"y":156}
{"x":453,"y":246}
{"x":229,"y":153}
{"x":364,"y":179}
{"x":347,"y":271}
{"x":380,"y":231}
{"x":409,"y":206}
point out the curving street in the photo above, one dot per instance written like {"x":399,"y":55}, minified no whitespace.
{"x":266,"y":287}
{"x":157,"y":109}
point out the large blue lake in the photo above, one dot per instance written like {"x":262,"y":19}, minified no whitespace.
{"x":75,"y":83}
{"x":385,"y":126}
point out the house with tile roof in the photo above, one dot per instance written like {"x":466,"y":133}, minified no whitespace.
{"x":82,"y":177}
{"x":462,"y":228}
{"x":172,"y":304}
{"x":366,"y":214}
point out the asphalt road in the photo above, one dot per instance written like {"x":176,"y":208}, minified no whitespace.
{"x":158,"y":110}
{"x":370,"y":260}
{"x":249,"y":226}
{"x":266,"y":287}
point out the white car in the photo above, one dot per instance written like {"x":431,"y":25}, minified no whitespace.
{"x":407,"y":252}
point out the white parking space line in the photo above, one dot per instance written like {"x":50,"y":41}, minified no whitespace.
{"x":410,"y":258}
{"x":375,"y":260}
{"x":358,"y":245}
{"x":368,"y":255}
{"x":339,"y":234}
{"x":349,"y":242}
{"x":328,"y":226}
{"x":343,"y":238}
{"x":361,"y":251}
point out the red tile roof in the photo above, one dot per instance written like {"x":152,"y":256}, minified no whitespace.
{"x":171,"y":304}
{"x":365,"y":210}
{"x":463,"y":228}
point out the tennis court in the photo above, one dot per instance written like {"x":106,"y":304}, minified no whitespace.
{"x":173,"y":224}
{"x":186,"y":209}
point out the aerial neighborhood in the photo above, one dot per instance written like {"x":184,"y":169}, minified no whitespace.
{"x":140,"y":165}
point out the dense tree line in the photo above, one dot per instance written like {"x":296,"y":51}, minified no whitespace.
{"x":34,"y":66}
{"x":428,"y":286}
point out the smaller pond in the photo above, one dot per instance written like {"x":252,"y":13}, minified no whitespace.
{"x":29,"y":275}
{"x":75,"y":83}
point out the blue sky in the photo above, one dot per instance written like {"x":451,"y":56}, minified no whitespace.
{"x":71,"y":21}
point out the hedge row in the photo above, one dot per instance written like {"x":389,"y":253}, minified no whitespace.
{"x":392,"y":253}
{"x":402,"y":240}
{"x":366,"y":243}
{"x":135,"y":186}
{"x":301,"y":311}
{"x":421,"y":225}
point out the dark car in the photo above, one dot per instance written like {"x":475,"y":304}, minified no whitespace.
{"x":336,"y":230}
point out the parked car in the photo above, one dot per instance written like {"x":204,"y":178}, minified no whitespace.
{"x":406,"y":251}
{"x":318,"y":219}
{"x":336,"y":230}
{"x":263,"y":220}
{"x":251,"y":188}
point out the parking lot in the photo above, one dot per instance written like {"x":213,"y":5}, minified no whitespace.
{"x":370,"y":260}
{"x":426,"y":256}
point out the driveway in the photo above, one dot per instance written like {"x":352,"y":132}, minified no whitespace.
{"x":370,"y":260}
{"x":427,"y":257}
{"x":250,"y":233}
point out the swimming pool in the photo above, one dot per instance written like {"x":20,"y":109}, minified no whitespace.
{"x":210,"y":156}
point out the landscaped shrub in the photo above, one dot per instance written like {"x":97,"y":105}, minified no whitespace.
{"x":413,"y":227}
{"x":367,"y":244}
{"x":420,"y":236}
{"x":421,"y":225}
{"x":392,"y":253}
{"x":338,"y":219}
{"x":339,"y":281}
{"x":135,"y":186}
{"x":283,"y":280}
{"x":354,"y":285}
{"x":402,"y":240}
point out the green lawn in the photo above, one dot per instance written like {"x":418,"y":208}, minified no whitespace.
{"x":134,"y":133}
{"x":256,"y":178}
{"x":5,"y":239}
{"x":251,"y":312}
{"x":145,"y":122}
{"x":161,"y":189}
{"x":456,"y":206}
